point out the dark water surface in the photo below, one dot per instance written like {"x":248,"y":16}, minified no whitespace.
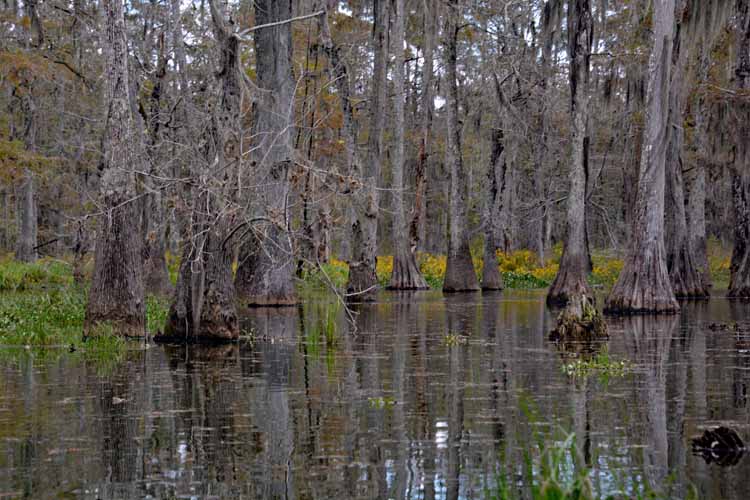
{"x":396,"y":411}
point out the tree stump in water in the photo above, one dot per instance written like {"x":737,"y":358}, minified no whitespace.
{"x":579,"y":322}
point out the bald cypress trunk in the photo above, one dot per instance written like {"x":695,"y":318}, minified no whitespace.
{"x":459,"y":274}
{"x":266,"y":268}
{"x":683,"y":269}
{"x":363,"y":281}
{"x":739,"y":285}
{"x":406,"y":274}
{"x":570,"y":283}
{"x":156,"y":275}
{"x":696,"y":185}
{"x":497,"y":183}
{"x":644,"y":285}
{"x":203,"y":308}
{"x":418,"y":221}
{"x":116,"y":296}
{"x":27,"y":219}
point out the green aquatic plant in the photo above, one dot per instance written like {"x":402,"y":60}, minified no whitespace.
{"x":601,"y":364}
{"x":381,"y":402}
{"x":454,"y":339}
{"x":55,"y":316}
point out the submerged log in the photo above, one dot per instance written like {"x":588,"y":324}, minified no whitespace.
{"x":580,"y":321}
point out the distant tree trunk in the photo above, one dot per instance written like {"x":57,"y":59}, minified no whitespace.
{"x":570,"y":283}
{"x":5,"y":207}
{"x":644,"y":285}
{"x":27,"y":219}
{"x":497,"y":177}
{"x":739,"y":285}
{"x":363,"y":280}
{"x":542,"y":222}
{"x":683,"y":270}
{"x":418,"y":222}
{"x":696,"y":205}
{"x":459,"y":274}
{"x":405,"y":275}
{"x":266,"y":270}
{"x":156,"y":275}
{"x":339,"y":74}
{"x":116,"y":295}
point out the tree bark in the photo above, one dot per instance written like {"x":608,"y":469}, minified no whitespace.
{"x":156,"y":275}
{"x":497,"y":177}
{"x":27,"y":219}
{"x":266,"y":270}
{"x":203,"y":308}
{"x":459,"y":274}
{"x":739,"y":285}
{"x":405,"y":274}
{"x":696,"y":205}
{"x":644,"y":285}
{"x":683,"y":270}
{"x":363,"y":282}
{"x":418,"y":221}
{"x":571,"y":283}
{"x":116,"y":296}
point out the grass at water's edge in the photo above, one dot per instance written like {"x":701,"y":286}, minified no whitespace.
{"x":40,"y":305}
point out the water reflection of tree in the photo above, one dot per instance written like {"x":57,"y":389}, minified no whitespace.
{"x":648,"y":340}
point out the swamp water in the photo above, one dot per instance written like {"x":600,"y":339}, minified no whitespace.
{"x":432,"y":398}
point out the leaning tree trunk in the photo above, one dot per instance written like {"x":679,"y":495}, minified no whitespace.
{"x":266,"y":270}
{"x":687,"y":281}
{"x":459,"y":273}
{"x":739,"y":285}
{"x":27,"y":219}
{"x":405,"y":274}
{"x":571,"y":284}
{"x":493,"y":213}
{"x":116,"y":295}
{"x":363,"y":280}
{"x":644,"y":285}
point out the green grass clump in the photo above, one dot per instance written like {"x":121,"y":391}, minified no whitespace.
{"x":19,"y":276}
{"x":55,"y":317}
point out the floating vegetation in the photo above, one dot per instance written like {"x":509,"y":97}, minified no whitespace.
{"x":381,"y":402}
{"x":601,"y":364}
{"x":454,"y":339}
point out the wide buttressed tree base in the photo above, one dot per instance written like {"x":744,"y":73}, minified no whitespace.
{"x":643,"y":286}
{"x":362,"y":283}
{"x":263,"y":281}
{"x":459,"y":272}
{"x":491,"y":277}
{"x":406,"y":274}
{"x":116,"y":294}
{"x":570,"y":283}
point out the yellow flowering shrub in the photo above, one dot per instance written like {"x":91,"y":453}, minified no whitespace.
{"x":606,"y":270}
{"x":384,"y":269}
{"x":432,"y":268}
{"x":719,"y":263}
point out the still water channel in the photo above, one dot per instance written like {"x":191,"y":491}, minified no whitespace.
{"x":432,"y":398}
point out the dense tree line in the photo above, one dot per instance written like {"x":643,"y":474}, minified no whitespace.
{"x":274,"y":134}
